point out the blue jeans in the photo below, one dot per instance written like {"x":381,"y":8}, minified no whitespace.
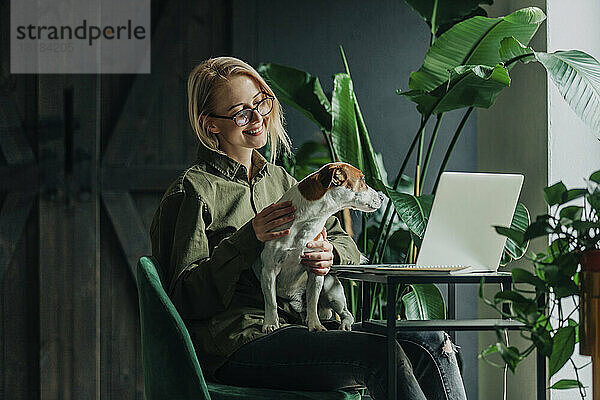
{"x":293,"y":358}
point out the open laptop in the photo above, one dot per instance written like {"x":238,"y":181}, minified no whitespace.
{"x":460,"y":237}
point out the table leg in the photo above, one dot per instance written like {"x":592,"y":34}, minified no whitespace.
{"x":391,"y":341}
{"x":452,"y":308}
{"x":506,"y":306}
{"x":366,"y":300}
{"x":541,"y":365}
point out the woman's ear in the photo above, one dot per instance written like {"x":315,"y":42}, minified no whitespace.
{"x":209,"y":125}
{"x":212,"y":128}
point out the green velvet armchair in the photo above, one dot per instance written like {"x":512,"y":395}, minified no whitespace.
{"x":171,"y":368}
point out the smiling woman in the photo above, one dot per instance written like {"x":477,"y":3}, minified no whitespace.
{"x":244,"y":128}
{"x":240,"y":89}
{"x":211,"y":226}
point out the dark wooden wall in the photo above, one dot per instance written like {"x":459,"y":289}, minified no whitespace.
{"x":84,"y":160}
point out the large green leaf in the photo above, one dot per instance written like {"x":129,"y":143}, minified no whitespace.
{"x":395,"y":251}
{"x":520,"y":275}
{"x":300,"y":90}
{"x":575,"y":73}
{"x":309,"y":157}
{"x":311,"y":153}
{"x":553,"y":194}
{"x":371,"y":166}
{"x":577,"y":77}
{"x":558,"y":194}
{"x":344,"y":132}
{"x":412,"y":210}
{"x":475,"y":41}
{"x":512,"y":50}
{"x":424,"y":302}
{"x":563,"y":345}
{"x":447,"y":13}
{"x":468,"y":85}
{"x":303,"y":91}
{"x":513,"y":250}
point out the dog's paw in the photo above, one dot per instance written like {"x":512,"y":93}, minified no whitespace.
{"x":268,"y":328}
{"x":346,"y":325}
{"x":316,"y":327}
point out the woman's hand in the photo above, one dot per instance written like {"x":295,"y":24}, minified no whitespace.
{"x":271,"y":217}
{"x":320,"y":259}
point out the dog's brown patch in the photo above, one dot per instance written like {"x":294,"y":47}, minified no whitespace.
{"x":311,"y":189}
{"x":315,"y":186}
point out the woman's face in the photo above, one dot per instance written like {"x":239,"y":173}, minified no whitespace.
{"x":238,"y":93}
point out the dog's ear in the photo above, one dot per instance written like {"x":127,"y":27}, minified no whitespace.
{"x":314,"y":186}
{"x":333,"y":175}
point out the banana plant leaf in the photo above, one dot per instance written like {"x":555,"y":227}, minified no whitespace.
{"x":371,"y":168}
{"x":309,"y":158}
{"x":303,"y":91}
{"x":344,"y":134}
{"x":424,"y":302}
{"x":511,"y":49}
{"x":412,"y":210}
{"x":447,"y":13}
{"x":468,"y":85}
{"x":395,"y":251}
{"x":312,"y":153}
{"x":478,"y":12}
{"x":300,"y":90}
{"x":576,"y":75}
{"x":474,"y":41}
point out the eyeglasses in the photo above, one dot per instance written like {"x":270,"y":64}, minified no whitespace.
{"x":243,"y":117}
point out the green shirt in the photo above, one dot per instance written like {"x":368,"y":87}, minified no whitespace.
{"x":203,"y":238}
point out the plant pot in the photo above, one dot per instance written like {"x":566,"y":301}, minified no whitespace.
{"x":589,"y":307}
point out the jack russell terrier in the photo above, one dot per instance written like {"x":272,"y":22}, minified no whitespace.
{"x":333,"y":187}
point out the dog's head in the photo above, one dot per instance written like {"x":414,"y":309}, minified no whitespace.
{"x":343,"y":184}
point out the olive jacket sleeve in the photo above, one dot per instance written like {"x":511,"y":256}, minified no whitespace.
{"x":200,"y":280}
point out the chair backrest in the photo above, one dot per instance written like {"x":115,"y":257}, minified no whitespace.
{"x":171,"y":368}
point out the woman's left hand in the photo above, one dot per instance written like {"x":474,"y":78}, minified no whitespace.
{"x":320,"y":258}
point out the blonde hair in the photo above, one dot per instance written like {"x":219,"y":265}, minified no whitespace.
{"x":209,"y":75}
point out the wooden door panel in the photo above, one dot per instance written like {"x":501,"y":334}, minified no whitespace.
{"x":19,"y":338}
{"x":19,"y":335}
{"x":16,"y":208}
{"x":128,"y":226}
{"x":74,"y":219}
{"x":146,"y":204}
{"x":122,"y":375}
{"x":69,"y":250}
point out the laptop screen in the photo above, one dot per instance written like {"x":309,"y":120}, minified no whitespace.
{"x":465,"y":209}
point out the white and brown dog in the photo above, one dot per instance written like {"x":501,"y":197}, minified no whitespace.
{"x":333,"y":187}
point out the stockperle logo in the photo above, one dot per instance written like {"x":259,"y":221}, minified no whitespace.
{"x":80,"y":36}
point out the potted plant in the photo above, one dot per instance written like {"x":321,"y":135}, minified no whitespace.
{"x":539,"y":298}
{"x":467,"y":66}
